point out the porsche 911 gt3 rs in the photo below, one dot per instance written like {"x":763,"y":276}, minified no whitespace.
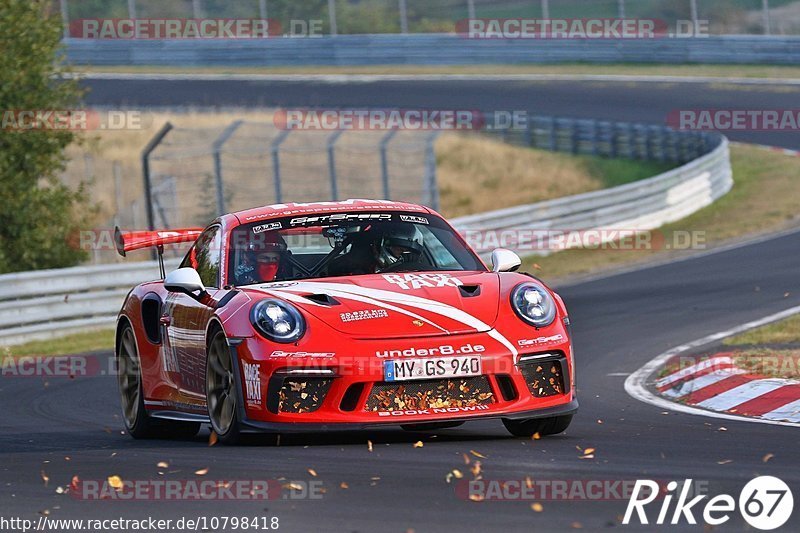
{"x":339,"y":315}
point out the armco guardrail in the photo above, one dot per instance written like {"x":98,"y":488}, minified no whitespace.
{"x":50,"y":303}
{"x":433,"y":49}
{"x":642,"y":205}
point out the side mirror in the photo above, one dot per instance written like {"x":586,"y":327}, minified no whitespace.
{"x":504,"y":260}
{"x":186,"y":281}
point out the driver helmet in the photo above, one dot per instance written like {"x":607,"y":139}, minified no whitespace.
{"x":399,"y":242}
{"x":266,"y":252}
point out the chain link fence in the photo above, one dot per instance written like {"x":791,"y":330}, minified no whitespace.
{"x":331,"y":17}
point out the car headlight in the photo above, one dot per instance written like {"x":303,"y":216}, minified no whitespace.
{"x":533,"y":304}
{"x":277,"y":320}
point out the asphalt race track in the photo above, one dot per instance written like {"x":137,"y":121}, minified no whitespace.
{"x":619,"y":322}
{"x":648,"y":102}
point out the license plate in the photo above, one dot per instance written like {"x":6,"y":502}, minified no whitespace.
{"x":439,"y":367}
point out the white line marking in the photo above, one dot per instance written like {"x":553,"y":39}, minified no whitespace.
{"x":743,"y":393}
{"x":372,"y":78}
{"x":636,"y":384}
{"x":789,"y":412}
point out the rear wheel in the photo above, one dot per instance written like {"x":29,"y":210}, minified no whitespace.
{"x":542,"y":426}
{"x":129,"y":377}
{"x":221,"y":390}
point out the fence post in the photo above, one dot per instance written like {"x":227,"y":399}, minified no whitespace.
{"x":528,"y":133}
{"x":217,"y":154}
{"x":403,"y":17}
{"x":385,"y":164}
{"x":148,"y":189}
{"x":276,"y":163}
{"x":332,"y":16}
{"x":430,"y":171}
{"x":573,"y":136}
{"x":132,"y":9}
{"x":332,"y":163}
{"x":765,"y":12}
{"x":117,"y":169}
{"x":65,"y":18}
{"x":553,"y":136}
{"x":471,"y":9}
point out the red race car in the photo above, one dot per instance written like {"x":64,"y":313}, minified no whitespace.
{"x":339,"y":315}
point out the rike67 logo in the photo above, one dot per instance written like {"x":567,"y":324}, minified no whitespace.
{"x":765,"y":503}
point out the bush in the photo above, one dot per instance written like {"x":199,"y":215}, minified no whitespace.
{"x":39,"y":216}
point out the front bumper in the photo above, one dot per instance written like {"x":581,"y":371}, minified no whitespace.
{"x":340,"y":390}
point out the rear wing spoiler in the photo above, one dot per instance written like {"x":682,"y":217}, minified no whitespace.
{"x":137,"y":240}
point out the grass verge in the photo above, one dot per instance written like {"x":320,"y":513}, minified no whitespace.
{"x":722,"y":71}
{"x":67,"y":345}
{"x":763,"y":199}
{"x":783,"y":332}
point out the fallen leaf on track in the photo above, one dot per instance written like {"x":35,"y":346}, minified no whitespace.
{"x":419,"y":444}
{"x":201,"y":472}
{"x":163,"y":464}
{"x":312,"y":472}
{"x":369,"y":445}
{"x":212,"y":439}
{"x":344,"y":485}
{"x":115,"y":482}
{"x":767,"y":457}
{"x":476,"y":454}
{"x":45,"y":478}
{"x":537,"y":507}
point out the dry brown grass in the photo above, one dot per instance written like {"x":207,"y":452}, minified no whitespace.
{"x":477,"y":174}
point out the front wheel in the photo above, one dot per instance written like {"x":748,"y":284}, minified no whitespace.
{"x":221,"y":390}
{"x":542,"y":426}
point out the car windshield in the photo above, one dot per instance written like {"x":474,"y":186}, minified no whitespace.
{"x":345,"y":244}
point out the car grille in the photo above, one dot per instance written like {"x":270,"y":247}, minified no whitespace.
{"x":457,"y":392}
{"x":544,"y":378}
{"x":302,"y":395}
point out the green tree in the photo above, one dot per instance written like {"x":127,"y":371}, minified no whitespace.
{"x":39,"y":216}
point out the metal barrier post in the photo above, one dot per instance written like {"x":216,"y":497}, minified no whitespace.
{"x":385,"y":164}
{"x":217,"y":148}
{"x":276,"y":163}
{"x":430,"y":171}
{"x":332,"y":163}
{"x":148,"y":189}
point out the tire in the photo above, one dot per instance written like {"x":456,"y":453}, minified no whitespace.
{"x":431,"y":426}
{"x":221,"y":393}
{"x":138,"y":423}
{"x":542,"y":426}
